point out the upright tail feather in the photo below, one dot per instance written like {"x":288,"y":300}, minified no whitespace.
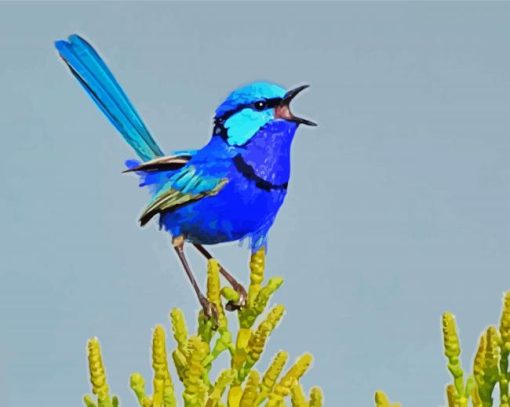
{"x":93,"y":74}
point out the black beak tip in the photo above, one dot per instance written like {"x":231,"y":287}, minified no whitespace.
{"x":306,"y":122}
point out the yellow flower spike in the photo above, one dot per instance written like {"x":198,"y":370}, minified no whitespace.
{"x":248,"y":315}
{"x":137,"y":384}
{"x":181,"y":364}
{"x":504,"y":324}
{"x":213,"y":281}
{"x":486,"y":365}
{"x":180,"y":330}
{"x":504,"y":331}
{"x":381,"y":400}
{"x":316,"y":397}
{"x":98,"y":375}
{"x":163,"y":386}
{"x":234,"y":395}
{"x":475,"y":397}
{"x":479,"y":362}
{"x":88,"y":401}
{"x":224,"y":379}
{"x":272,"y":373}
{"x":194,"y":356}
{"x":265,"y":294}
{"x":96,"y":368}
{"x":257,"y":267}
{"x":259,"y":338}
{"x":251,"y":390}
{"x":297,"y":396}
{"x":214,"y":289}
{"x":451,"y":395}
{"x":452,"y":352}
{"x":241,"y":348}
{"x":238,"y":358}
{"x":168,"y":393}
{"x":195,"y":389}
{"x":282,"y":389}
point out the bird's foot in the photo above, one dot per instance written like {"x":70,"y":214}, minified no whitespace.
{"x":210,"y":311}
{"x":241,"y":302}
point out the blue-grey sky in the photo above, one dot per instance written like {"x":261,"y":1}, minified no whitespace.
{"x":398,"y":207}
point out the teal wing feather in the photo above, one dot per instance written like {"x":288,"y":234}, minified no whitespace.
{"x":93,"y":74}
{"x":187,"y":186}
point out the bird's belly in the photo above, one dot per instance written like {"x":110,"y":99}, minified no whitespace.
{"x":239,"y":210}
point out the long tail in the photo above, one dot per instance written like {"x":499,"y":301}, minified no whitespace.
{"x":93,"y":74}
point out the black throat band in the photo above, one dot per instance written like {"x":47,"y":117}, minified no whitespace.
{"x":249,"y":173}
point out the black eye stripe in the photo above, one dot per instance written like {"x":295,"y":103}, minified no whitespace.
{"x":269,"y":103}
{"x":272,"y":102}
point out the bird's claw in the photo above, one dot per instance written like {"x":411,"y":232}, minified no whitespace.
{"x":210,"y":311}
{"x":241,"y":303}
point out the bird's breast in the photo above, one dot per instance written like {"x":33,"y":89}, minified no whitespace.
{"x":266,"y":158}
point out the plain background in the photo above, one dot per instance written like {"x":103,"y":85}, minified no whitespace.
{"x":398,"y":207}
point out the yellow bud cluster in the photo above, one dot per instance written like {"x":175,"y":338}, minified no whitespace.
{"x":381,"y":400}
{"x":451,"y":395}
{"x":194,"y":355}
{"x":163,"y":386}
{"x":283,"y":388}
{"x":137,"y":384}
{"x":97,"y":371}
{"x":224,"y":379}
{"x":504,"y":331}
{"x":297,"y":396}
{"x":180,"y":331}
{"x":257,"y":297}
{"x":486,"y":369}
{"x":259,"y":338}
{"x":213,"y":281}
{"x":475,"y":397}
{"x":273,"y":372}
{"x":257,"y":267}
{"x":490,"y":365}
{"x":163,"y":390}
{"x":98,"y":378}
{"x":251,"y":390}
{"x":195,"y":389}
{"x":504,"y":325}
{"x":316,"y":397}
{"x":452,"y":352}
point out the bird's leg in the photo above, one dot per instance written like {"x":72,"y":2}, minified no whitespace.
{"x":231,"y":306}
{"x":209,"y":308}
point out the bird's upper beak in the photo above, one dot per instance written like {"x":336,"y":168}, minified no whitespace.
{"x":282,"y":111}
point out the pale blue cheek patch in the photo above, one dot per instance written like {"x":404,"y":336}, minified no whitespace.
{"x":243,"y":125}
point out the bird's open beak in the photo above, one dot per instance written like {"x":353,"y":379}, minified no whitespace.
{"x":282,"y":111}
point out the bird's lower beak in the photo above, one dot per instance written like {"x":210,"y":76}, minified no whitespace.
{"x":282,"y":111}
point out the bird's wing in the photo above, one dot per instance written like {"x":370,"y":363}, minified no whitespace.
{"x":93,"y":74}
{"x":167,"y":163}
{"x":187,"y":186}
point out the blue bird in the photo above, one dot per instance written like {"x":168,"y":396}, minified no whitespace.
{"x":229,"y":190}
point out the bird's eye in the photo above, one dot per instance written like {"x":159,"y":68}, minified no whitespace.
{"x":260,"y":105}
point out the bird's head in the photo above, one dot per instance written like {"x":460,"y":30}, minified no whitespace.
{"x":249,"y":108}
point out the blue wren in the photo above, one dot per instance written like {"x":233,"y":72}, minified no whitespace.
{"x":229,"y":190}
